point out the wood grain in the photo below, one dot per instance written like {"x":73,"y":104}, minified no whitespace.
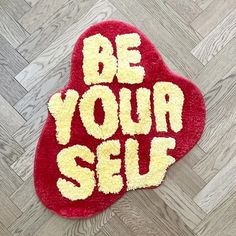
{"x":36,"y":16}
{"x":10,"y":59}
{"x":194,"y":156}
{"x":220,"y":102}
{"x":160,"y":212}
{"x":9,"y":86}
{"x":208,"y":20}
{"x":220,"y":221}
{"x":187,"y":9}
{"x":9,"y":212}
{"x":19,"y":196}
{"x":52,"y":28}
{"x":31,"y":220}
{"x":28,"y":133}
{"x":10,"y":119}
{"x":90,"y":226}
{"x":4,"y":231}
{"x":54,"y":226}
{"x":218,"y":156}
{"x":136,"y":220}
{"x":10,"y":150}
{"x":217,"y":68}
{"x":186,"y":179}
{"x":216,"y":40}
{"x":9,"y":180}
{"x":203,"y":4}
{"x":15,"y":8}
{"x":172,"y":22}
{"x":23,"y":165}
{"x":115,"y":227}
{"x":31,"y":2}
{"x":174,"y":197}
{"x":218,"y":189}
{"x":13,"y":32}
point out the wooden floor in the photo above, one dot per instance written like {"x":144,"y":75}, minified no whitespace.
{"x":196,"y":38}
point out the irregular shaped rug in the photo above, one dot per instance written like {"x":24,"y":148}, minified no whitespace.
{"x":122,"y":120}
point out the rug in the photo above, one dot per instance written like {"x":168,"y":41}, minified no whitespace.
{"x":121,"y":121}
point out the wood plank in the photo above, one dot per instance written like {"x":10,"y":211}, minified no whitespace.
{"x":28,"y":133}
{"x":115,"y":227}
{"x":187,"y":9}
{"x":10,"y":119}
{"x":217,"y":68}
{"x":216,"y":39}
{"x":180,"y":202}
{"x":157,"y":210}
{"x":166,"y":44}
{"x":30,"y":220}
{"x":194,"y":156}
{"x":229,"y":229}
{"x":173,"y":67}
{"x":219,"y":189}
{"x":220,"y":110}
{"x":52,"y":28}
{"x":54,"y":226}
{"x":15,"y":8}
{"x":27,"y":136}
{"x":172,"y":22}
{"x":38,"y":96}
{"x":220,"y":221}
{"x":100,"y":233}
{"x":10,"y":59}
{"x":10,"y":89}
{"x":10,"y":150}
{"x":208,"y":19}
{"x":135,"y":218}
{"x":13,"y":32}
{"x":203,"y":4}
{"x":9,"y":180}
{"x":24,"y":197}
{"x":31,"y":2}
{"x":63,"y":46}
{"x":9,"y":212}
{"x":220,"y":154}
{"x":90,"y":226}
{"x":182,"y":175}
{"x":38,"y":14}
{"x":4,"y":231}
{"x":23,"y":166}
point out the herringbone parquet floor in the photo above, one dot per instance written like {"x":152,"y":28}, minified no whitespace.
{"x":196,"y":38}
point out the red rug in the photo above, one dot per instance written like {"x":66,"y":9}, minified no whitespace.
{"x":120,"y":122}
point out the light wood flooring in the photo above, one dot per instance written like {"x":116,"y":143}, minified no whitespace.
{"x":197,"y":39}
